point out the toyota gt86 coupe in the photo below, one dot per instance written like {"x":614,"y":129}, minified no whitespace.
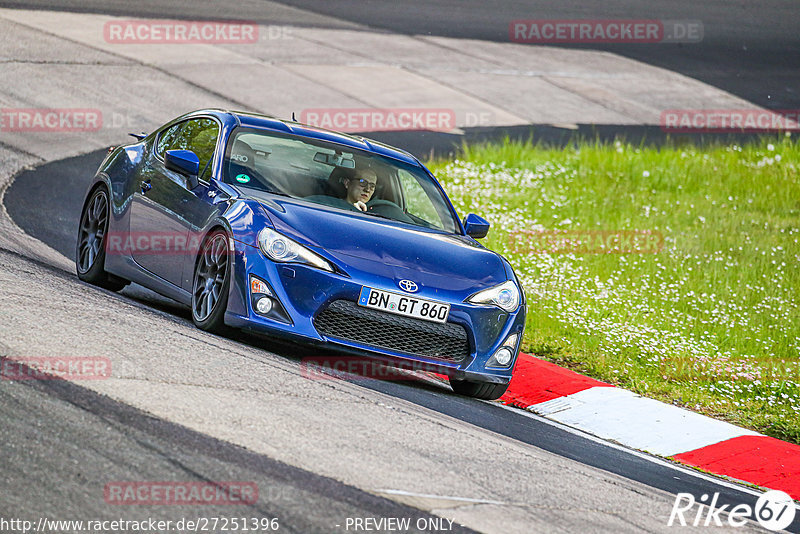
{"x":287,"y":230}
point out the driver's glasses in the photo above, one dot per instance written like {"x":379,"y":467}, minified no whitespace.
{"x":366,"y":185}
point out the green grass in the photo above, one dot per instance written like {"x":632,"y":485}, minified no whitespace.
{"x":711,"y":321}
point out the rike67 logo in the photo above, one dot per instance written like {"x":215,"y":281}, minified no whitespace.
{"x":774,"y":510}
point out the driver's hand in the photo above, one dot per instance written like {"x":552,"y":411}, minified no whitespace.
{"x":360,"y":205}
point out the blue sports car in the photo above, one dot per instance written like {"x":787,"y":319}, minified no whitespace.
{"x":288,"y":230}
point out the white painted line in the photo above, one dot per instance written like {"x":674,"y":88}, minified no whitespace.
{"x":442,"y":497}
{"x":638,"y":422}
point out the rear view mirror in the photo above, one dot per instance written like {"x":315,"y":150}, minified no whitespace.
{"x":476,"y":226}
{"x":335,"y":160}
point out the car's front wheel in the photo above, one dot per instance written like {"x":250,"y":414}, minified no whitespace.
{"x":478,"y":390}
{"x":212,"y":274}
{"x":90,"y":250}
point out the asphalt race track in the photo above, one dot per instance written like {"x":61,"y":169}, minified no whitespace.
{"x":189,"y":406}
{"x":749,"y":49}
{"x":752,"y":50}
{"x":110,"y":440}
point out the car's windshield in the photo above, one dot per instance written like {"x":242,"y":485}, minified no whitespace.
{"x":337,"y":176}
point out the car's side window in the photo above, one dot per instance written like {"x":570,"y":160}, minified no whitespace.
{"x":167,"y":138}
{"x":417,"y":201}
{"x":198,"y":135}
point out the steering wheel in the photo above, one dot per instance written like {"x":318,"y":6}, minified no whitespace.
{"x":388,"y":209}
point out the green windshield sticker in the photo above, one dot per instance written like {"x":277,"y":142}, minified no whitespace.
{"x":242,"y":178}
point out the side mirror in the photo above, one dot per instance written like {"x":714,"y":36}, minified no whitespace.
{"x":476,"y":226}
{"x":184,"y":162}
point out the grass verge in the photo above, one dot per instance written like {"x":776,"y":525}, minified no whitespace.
{"x":672,"y":271}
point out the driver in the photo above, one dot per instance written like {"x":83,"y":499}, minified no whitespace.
{"x":360,"y":187}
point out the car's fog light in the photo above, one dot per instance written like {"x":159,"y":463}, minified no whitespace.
{"x":264,"y":305}
{"x":503,"y":356}
{"x":258,"y":286}
{"x":265,"y":301}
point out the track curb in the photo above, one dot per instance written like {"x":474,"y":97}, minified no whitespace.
{"x":621,"y":416}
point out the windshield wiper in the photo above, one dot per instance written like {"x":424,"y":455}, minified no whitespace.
{"x":280,"y":193}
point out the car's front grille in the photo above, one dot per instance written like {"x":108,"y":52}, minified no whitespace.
{"x":347,"y":320}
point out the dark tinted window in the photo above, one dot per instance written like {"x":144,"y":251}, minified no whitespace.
{"x":197,"y":135}
{"x":318,"y":171}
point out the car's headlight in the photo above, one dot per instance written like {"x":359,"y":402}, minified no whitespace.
{"x":280,"y":248}
{"x":505,"y":296}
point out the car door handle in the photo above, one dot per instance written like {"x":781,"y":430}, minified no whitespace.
{"x":146,"y":186}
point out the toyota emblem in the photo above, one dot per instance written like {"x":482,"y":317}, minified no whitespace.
{"x":408,"y":286}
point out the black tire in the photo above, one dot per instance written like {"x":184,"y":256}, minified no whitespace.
{"x":211,"y":283}
{"x":90,"y":249}
{"x":478,"y":390}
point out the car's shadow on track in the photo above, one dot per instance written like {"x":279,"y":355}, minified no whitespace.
{"x":153,"y":300}
{"x":316,"y":363}
{"x":328,"y":364}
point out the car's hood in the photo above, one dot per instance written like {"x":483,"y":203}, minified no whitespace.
{"x":384,"y":248}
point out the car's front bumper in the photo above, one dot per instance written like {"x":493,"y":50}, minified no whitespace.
{"x":305,"y":292}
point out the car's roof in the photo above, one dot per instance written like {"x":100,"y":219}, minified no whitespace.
{"x":255,"y":120}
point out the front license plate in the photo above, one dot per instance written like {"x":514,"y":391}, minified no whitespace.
{"x":404,"y":305}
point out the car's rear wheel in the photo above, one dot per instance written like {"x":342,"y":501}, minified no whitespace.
{"x":90,"y":250}
{"x":478,"y":390}
{"x":212,"y":275}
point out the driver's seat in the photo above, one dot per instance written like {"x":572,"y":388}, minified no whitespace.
{"x":335,"y":186}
